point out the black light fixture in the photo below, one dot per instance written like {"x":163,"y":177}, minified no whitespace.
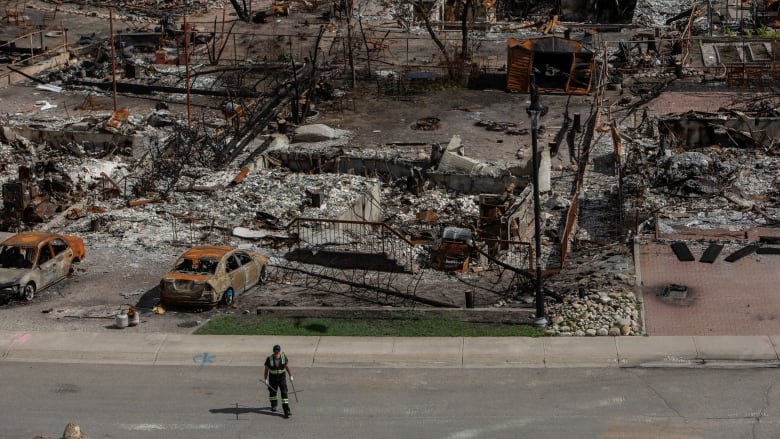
{"x":535,"y":111}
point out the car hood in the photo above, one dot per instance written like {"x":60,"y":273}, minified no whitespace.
{"x":11,"y":276}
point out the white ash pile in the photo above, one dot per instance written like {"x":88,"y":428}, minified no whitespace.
{"x":404,"y":209}
{"x":212,"y":206}
{"x":742,"y":182}
{"x":650,"y":13}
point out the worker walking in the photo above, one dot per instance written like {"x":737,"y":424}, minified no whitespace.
{"x":276,"y":365}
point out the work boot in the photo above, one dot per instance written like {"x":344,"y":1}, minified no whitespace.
{"x":273,"y":408}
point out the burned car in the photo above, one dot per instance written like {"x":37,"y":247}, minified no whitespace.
{"x":208,"y":275}
{"x":32,"y":261}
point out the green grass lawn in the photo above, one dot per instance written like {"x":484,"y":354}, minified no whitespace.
{"x":413,"y":326}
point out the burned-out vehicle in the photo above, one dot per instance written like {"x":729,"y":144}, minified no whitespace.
{"x":32,"y":261}
{"x":209,"y":275}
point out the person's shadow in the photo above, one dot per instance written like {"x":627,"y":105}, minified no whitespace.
{"x":238,"y":410}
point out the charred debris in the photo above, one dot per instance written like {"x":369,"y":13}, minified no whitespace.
{"x":226,"y":148}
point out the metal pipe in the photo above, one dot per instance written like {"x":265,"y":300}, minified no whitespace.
{"x":187,"y":69}
{"x":537,"y":215}
{"x":535,"y":110}
{"x":113,"y":54}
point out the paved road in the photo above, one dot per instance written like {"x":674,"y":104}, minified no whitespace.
{"x":183,"y":402}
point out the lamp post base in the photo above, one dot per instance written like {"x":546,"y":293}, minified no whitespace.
{"x":540,"y":322}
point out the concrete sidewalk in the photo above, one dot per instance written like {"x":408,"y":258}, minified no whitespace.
{"x":116,"y":347}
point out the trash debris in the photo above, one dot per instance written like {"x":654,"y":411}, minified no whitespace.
{"x":49,"y":87}
{"x":45,"y":105}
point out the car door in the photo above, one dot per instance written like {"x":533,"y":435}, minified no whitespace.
{"x":251,"y":269}
{"x":63,"y":256}
{"x":236,"y":273}
{"x":48,"y":266}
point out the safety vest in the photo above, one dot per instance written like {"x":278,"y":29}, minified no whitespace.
{"x":272,"y":368}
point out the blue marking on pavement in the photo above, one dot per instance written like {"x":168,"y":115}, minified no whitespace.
{"x":203,"y":359}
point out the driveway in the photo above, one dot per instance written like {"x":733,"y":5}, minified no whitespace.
{"x":723,"y":298}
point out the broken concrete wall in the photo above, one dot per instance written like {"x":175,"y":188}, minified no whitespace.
{"x":390,"y":168}
{"x":701,"y":131}
{"x":54,"y":61}
{"x":452,"y":161}
{"x":61,"y":137}
{"x":474,"y":184}
{"x":514,"y":316}
{"x":307,"y":159}
{"x":367,"y":206}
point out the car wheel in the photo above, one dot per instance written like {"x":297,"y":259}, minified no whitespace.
{"x":28,"y":292}
{"x":229,"y":296}
{"x":264,"y":274}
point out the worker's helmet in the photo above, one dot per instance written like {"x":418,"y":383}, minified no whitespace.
{"x":277,"y":348}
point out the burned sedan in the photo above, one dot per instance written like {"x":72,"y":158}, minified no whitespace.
{"x":32,"y":261}
{"x":208,"y":275}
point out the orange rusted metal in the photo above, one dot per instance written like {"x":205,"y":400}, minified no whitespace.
{"x":34,"y":239}
{"x":213,"y":251}
{"x":27,"y":239}
{"x":77,"y":245}
{"x":241,"y":175}
{"x":568,"y":56}
{"x":74,"y":213}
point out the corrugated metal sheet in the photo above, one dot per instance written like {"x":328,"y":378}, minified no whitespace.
{"x":520,"y":60}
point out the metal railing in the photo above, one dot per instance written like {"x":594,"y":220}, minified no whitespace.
{"x":36,"y":51}
{"x":356,"y":236}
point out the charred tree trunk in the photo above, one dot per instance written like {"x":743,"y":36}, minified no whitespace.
{"x":314,"y":79}
{"x":241,"y":11}
{"x":465,"y":53}
{"x":425,"y":13}
{"x":365,"y":43}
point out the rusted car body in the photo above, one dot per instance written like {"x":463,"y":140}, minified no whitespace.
{"x":32,"y":261}
{"x":208,"y":275}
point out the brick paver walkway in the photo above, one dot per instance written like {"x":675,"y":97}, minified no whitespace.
{"x":724,"y":298}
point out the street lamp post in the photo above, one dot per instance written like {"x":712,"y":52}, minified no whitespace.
{"x":536,"y":110}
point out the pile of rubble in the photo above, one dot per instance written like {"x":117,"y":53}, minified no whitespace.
{"x":253,"y":163}
{"x":596,"y":295}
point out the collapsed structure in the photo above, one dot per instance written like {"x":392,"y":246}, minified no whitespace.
{"x":230,"y":151}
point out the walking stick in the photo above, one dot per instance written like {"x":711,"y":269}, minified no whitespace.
{"x":293,"y":387}
{"x":294,"y":392}
{"x":267,"y":385}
